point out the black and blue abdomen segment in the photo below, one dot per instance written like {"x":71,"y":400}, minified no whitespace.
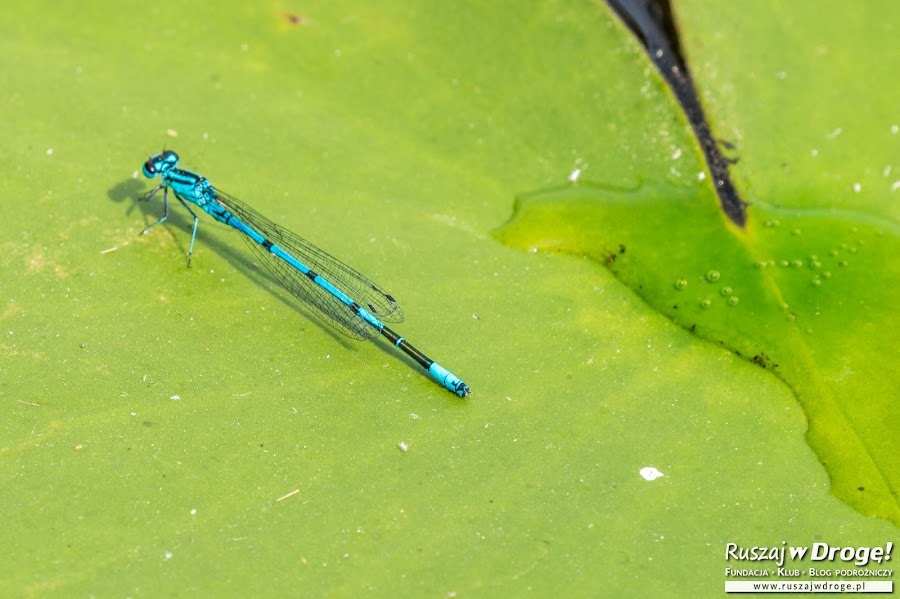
{"x":446,"y":378}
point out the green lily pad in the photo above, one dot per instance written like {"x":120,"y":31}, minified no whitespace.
{"x":176,"y":431}
{"x":803,"y":293}
{"x":806,"y":289}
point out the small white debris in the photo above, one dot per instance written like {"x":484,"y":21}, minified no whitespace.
{"x":403,"y":446}
{"x":895,"y":186}
{"x":895,"y":129}
{"x":286,"y":495}
{"x":580,"y":166}
{"x":573,"y":176}
{"x":677,"y":154}
{"x":701,"y":176}
{"x":650,"y":473}
{"x":175,"y":397}
{"x":194,"y":512}
{"x":834,"y":133}
{"x":814,"y":152}
{"x":108,"y":250}
{"x":171,"y":132}
{"x":857,"y":187}
{"x":168,"y":555}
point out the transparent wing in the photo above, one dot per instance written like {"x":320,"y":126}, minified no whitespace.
{"x":360,"y":288}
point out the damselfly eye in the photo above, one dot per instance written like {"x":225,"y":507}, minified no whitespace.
{"x":149,"y":167}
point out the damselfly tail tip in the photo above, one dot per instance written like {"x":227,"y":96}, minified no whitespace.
{"x":449,"y":380}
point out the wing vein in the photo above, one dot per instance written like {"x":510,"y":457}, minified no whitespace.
{"x":354,"y":284}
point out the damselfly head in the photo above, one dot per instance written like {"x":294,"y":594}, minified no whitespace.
{"x":160,"y":163}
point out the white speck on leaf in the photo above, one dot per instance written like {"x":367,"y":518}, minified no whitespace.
{"x":650,"y":473}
